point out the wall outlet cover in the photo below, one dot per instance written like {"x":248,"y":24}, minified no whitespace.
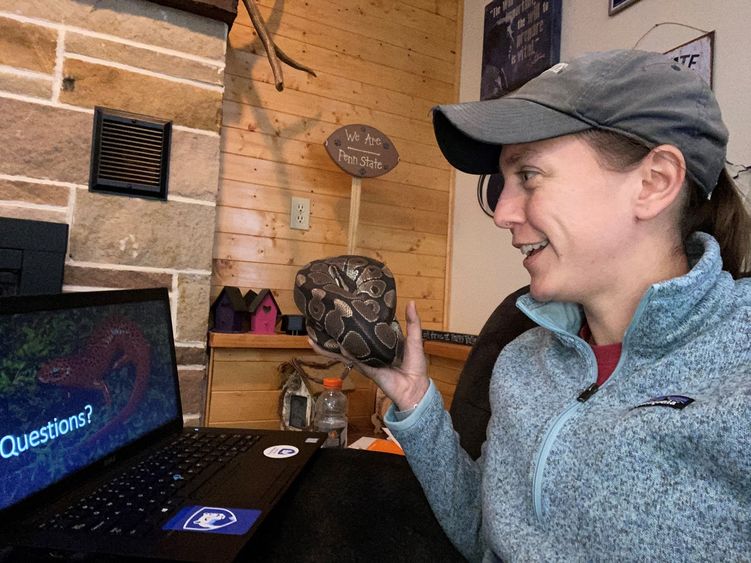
{"x":299,"y":217}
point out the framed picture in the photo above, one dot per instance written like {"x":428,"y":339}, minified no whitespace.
{"x":616,"y":6}
{"x":521,"y":39}
{"x":697,"y":54}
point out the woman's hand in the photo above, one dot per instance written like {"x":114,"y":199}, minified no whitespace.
{"x":405,"y":384}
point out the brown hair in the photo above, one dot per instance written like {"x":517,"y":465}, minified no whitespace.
{"x":724,"y":216}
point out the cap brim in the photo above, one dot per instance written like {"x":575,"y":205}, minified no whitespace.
{"x":471,"y":134}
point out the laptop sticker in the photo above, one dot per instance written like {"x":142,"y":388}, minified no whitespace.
{"x":213,"y":520}
{"x":281,"y":452}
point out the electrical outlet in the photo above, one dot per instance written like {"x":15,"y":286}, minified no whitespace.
{"x":299,"y":216}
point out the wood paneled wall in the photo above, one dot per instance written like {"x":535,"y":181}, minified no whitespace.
{"x":245,"y":389}
{"x":383,"y":63}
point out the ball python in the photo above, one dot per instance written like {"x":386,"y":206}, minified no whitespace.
{"x":349,"y":303}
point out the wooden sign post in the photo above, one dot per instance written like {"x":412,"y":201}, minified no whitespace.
{"x":362,"y":152}
{"x":354,"y":214}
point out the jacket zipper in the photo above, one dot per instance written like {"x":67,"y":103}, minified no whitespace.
{"x":547,"y":444}
{"x":570,"y":410}
{"x":552,"y":432}
{"x":542,"y":456}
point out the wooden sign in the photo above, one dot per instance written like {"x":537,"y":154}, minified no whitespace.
{"x":362,"y":151}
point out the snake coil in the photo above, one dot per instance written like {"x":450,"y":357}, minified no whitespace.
{"x":349,"y":303}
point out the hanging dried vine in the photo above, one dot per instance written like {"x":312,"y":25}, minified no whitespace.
{"x":275,"y":55}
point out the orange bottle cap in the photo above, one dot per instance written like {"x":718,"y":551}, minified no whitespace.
{"x":332,"y":382}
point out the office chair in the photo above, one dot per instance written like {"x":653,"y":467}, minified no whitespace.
{"x":470,"y":408}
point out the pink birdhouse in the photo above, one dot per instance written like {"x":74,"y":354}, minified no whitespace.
{"x":263,"y":313}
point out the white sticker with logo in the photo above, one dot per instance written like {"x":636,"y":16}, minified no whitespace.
{"x":213,"y":520}
{"x":281,"y":452}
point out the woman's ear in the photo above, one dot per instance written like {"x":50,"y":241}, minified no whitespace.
{"x":663,"y":173}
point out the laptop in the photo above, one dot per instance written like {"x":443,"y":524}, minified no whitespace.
{"x":94,"y":456}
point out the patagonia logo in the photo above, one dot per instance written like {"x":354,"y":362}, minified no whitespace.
{"x":671,"y":401}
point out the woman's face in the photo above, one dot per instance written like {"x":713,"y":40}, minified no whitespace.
{"x":569,"y":216}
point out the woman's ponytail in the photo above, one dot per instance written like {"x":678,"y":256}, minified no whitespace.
{"x":727,"y":219}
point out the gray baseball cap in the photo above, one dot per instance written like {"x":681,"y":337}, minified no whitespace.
{"x":645,"y":96}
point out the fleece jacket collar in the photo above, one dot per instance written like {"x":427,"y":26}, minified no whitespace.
{"x":669,"y":310}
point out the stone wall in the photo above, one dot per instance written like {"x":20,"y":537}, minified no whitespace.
{"x":58,"y":60}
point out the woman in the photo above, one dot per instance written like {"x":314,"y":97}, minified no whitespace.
{"x":620,"y":425}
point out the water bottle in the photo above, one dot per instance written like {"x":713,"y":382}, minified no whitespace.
{"x":331,"y":413}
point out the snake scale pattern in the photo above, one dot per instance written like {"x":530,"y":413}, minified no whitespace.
{"x":349,"y":303}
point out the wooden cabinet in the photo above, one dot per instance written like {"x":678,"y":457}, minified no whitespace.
{"x":244,"y":385}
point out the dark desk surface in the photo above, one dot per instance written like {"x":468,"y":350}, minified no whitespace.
{"x":349,"y":506}
{"x":353,"y":505}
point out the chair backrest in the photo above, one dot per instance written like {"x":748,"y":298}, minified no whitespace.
{"x":470,"y":407}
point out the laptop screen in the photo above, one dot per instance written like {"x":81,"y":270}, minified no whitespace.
{"x":81,"y":375}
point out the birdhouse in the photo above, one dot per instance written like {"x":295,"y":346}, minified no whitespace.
{"x":249,"y":297}
{"x":263,"y":313}
{"x":229,"y":312}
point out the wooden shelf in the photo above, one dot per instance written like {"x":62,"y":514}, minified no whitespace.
{"x":244,"y":385}
{"x":247,"y":340}
{"x":447,"y":350}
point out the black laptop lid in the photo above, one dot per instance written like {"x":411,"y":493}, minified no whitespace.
{"x":82,"y":376}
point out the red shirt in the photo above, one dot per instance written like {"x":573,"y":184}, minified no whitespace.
{"x":607,"y":355}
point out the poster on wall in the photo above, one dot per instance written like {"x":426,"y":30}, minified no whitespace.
{"x":697,"y":54}
{"x":618,"y":5}
{"x":521,"y":39}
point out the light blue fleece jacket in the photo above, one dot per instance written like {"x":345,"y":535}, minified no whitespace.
{"x":622,"y":476}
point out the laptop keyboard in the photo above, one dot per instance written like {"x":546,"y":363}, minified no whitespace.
{"x":135,"y":501}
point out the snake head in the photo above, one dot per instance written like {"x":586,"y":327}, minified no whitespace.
{"x":53,"y":372}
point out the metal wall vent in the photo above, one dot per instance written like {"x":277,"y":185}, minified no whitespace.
{"x":129,"y":154}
